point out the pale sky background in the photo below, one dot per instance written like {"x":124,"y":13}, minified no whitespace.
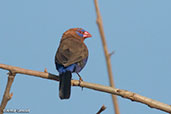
{"x":139,"y":31}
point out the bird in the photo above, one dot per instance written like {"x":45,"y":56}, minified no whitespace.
{"x":71,"y":57}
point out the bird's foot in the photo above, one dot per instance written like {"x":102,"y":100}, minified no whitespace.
{"x":80,"y":80}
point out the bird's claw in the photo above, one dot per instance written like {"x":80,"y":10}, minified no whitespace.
{"x":80,"y":80}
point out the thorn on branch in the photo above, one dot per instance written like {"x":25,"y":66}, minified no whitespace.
{"x":45,"y":70}
{"x":101,"y":109}
{"x":10,"y":96}
{"x":110,"y":54}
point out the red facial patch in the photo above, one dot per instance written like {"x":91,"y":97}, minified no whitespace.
{"x":86,"y":34}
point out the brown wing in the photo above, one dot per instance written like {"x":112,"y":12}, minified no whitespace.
{"x":71,"y":51}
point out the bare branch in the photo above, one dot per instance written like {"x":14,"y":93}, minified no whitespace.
{"x":29,"y":72}
{"x":7,"y":95}
{"x":123,"y":93}
{"x":101,"y":109}
{"x":108,"y":62}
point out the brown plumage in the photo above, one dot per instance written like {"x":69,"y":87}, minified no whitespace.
{"x":71,"y":33}
{"x":72,"y":49}
{"x":71,"y":56}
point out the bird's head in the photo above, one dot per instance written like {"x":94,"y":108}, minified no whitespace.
{"x":82,"y":33}
{"x":78,"y":33}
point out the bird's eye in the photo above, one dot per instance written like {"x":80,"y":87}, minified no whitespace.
{"x":81,"y":32}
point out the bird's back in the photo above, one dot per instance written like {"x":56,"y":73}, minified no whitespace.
{"x":71,"y":50}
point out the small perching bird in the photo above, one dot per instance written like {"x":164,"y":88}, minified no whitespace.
{"x":71,"y":56}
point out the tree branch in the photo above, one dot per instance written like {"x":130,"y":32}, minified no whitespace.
{"x":107,"y":56}
{"x":30,"y":72}
{"x":101,"y":109}
{"x":7,"y":96}
{"x":123,"y":93}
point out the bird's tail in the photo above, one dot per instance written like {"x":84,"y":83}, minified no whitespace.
{"x":65,"y":85}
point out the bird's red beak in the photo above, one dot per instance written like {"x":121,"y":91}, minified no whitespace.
{"x":87,"y":34}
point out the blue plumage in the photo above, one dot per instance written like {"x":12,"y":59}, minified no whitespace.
{"x":76,"y":67}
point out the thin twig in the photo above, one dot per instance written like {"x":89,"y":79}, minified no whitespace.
{"x":123,"y":93}
{"x":7,"y":95}
{"x":110,"y":54}
{"x":108,"y":62}
{"x":101,"y":109}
